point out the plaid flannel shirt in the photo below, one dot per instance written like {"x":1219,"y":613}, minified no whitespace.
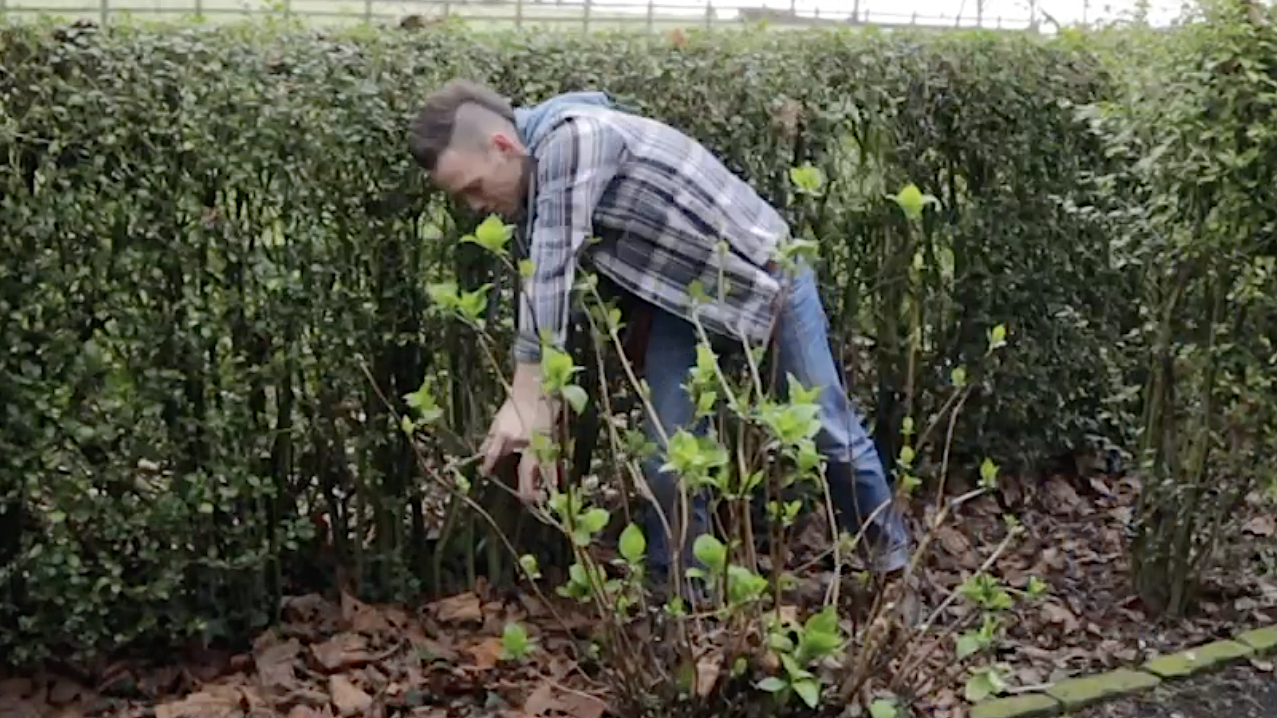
{"x":659,"y":204}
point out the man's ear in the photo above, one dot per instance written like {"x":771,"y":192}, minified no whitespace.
{"x":507,"y":144}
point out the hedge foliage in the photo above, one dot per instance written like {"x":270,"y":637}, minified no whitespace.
{"x":214,"y":237}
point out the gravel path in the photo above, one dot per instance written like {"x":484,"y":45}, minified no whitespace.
{"x":1241,"y":691}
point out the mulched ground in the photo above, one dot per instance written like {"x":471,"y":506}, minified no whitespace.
{"x":1242,"y":691}
{"x":340,"y":657}
{"x":1076,"y":543}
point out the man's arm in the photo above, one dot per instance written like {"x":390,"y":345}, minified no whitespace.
{"x":573,"y":168}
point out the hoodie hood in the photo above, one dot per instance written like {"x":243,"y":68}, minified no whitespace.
{"x":532,"y":121}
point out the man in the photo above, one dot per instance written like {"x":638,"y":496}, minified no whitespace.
{"x":576,"y":168}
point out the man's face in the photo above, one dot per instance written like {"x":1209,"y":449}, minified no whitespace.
{"x":489,"y":178}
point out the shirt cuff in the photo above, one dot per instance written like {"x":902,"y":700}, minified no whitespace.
{"x":527,"y":350}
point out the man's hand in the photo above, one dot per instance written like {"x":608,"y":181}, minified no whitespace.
{"x":524,"y":413}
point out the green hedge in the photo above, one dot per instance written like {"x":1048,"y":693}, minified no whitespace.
{"x":209,"y":236}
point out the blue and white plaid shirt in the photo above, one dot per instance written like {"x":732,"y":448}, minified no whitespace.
{"x":660,"y":206}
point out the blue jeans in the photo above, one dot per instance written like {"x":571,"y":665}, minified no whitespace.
{"x":858,"y":485}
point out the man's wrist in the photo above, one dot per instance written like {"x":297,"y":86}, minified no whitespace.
{"x":526,"y":385}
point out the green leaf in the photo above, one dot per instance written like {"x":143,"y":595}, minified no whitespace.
{"x":632,"y":543}
{"x":710,"y":551}
{"x":824,"y":622}
{"x":988,"y":474}
{"x":557,"y":369}
{"x":906,"y":455}
{"x":492,"y":234}
{"x":594,"y":520}
{"x":959,"y":377}
{"x":798,"y":394}
{"x":744,"y":585}
{"x":807,"y":178}
{"x":883,"y":708}
{"x":780,"y":642}
{"x":422,"y":402}
{"x":443,"y":294}
{"x":911,"y":200}
{"x":575,"y":397}
{"x":795,"y":671}
{"x":514,"y":640}
{"x":705,"y":403}
{"x":998,"y":336}
{"x":809,"y":690}
{"x":968,"y":644}
{"x":977,"y":688}
{"x":1036,"y":587}
{"x":772,"y":684}
{"x":818,"y":644}
{"x":529,"y":564}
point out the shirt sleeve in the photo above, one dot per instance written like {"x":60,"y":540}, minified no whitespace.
{"x":574,"y":166}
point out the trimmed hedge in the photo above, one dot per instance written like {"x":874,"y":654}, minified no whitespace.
{"x":213,"y":236}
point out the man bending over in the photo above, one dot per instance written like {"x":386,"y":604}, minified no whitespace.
{"x":576,"y":168}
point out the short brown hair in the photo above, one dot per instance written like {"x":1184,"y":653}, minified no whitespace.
{"x":432,"y":129}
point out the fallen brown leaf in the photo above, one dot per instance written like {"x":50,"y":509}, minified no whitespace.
{"x":304,"y":608}
{"x":396,"y":617}
{"x":1063,"y":495}
{"x":534,"y":606}
{"x":212,"y":702}
{"x":463,"y":607}
{"x":1101,"y":486}
{"x":707,"y":672}
{"x":1012,"y":489}
{"x":275,"y":664}
{"x":361,"y":617}
{"x":161,"y":681}
{"x":17,"y":708}
{"x":434,"y":649}
{"x":548,"y":699}
{"x":16,"y":688}
{"x":65,"y":691}
{"x":1028,"y":676}
{"x":580,"y":705}
{"x":1261,"y":526}
{"x":207,"y":664}
{"x":486,"y":653}
{"x":304,"y":696}
{"x":956,"y":544}
{"x":348,"y":698}
{"x":1057,"y":614}
{"x":540,"y":700}
{"x":1052,"y":559}
{"x":342,"y":651}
